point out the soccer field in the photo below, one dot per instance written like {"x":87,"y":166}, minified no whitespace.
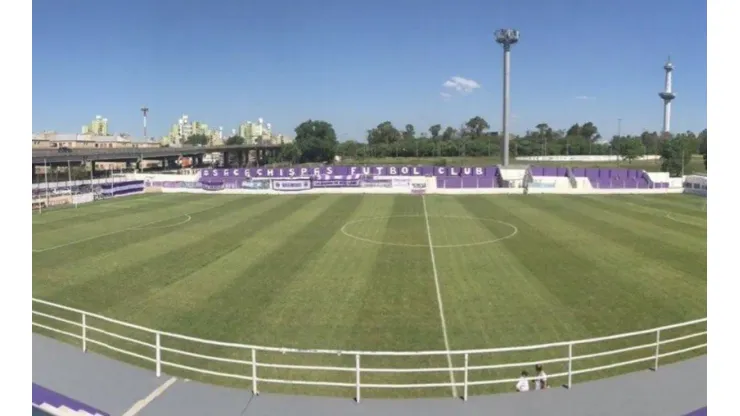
{"x":356,"y":272}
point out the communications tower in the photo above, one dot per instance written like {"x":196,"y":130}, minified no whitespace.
{"x":667,"y":95}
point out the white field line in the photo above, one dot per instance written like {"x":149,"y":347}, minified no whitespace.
{"x":668,"y":214}
{"x":439,"y":296}
{"x":138,"y":406}
{"x":138,"y":227}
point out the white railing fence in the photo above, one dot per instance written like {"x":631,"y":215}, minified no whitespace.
{"x":362,"y":370}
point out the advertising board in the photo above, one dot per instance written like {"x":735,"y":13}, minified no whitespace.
{"x":213,"y":186}
{"x":59,"y":200}
{"x":83,"y":198}
{"x":255,"y":184}
{"x":418,"y":188}
{"x":298,"y":185}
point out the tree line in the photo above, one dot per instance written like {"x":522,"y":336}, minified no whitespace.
{"x":316,"y":142}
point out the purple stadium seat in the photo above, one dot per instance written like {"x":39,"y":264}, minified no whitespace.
{"x":469,"y":182}
{"x":486,"y":182}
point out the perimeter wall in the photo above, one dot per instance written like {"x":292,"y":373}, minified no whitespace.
{"x":395,"y":180}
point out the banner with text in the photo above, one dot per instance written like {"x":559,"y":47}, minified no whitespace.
{"x":207,"y":175}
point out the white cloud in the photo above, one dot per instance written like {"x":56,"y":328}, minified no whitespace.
{"x":445,"y":95}
{"x":460,"y":84}
{"x":584,"y":97}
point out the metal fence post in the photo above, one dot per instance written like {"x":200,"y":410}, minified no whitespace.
{"x":657,"y":349}
{"x":570,"y":365}
{"x":254,"y":372}
{"x":357,"y":377}
{"x":158,"y":354}
{"x":465,"y":387}
{"x":84,"y":332}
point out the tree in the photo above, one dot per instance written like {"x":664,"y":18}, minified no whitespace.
{"x":235,"y":141}
{"x":629,"y":148}
{"x":542,"y":129}
{"x":434,"y":131}
{"x":675,"y":155}
{"x":448,"y":134}
{"x":198,"y":140}
{"x":651,"y":141}
{"x":289,"y":152}
{"x":350,"y":148}
{"x":476,"y":126}
{"x":316,"y":140}
{"x":384,"y":133}
{"x":409,"y":133}
{"x":703,"y":145}
{"x":590,"y":132}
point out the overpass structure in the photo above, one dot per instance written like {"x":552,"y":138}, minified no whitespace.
{"x":76,"y":156}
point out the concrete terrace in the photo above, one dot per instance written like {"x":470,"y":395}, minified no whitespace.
{"x":120,"y":389}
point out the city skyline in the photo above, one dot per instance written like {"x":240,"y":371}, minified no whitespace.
{"x":99,"y":126}
{"x":357,"y":77}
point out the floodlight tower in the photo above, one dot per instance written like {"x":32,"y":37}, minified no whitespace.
{"x":145,"y":111}
{"x":506,"y":38}
{"x":667,"y":96}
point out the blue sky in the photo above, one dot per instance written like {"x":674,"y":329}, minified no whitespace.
{"x":356,"y":64}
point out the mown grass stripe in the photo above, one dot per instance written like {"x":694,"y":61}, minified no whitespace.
{"x":619,"y":267}
{"x":499,"y":303}
{"x":198,"y":285}
{"x":664,"y":218}
{"x":641,"y":238}
{"x":112,"y":241}
{"x":682,"y":204}
{"x":262,"y":282}
{"x":96,"y":264}
{"x":138,"y":277}
{"x":408,"y":291}
{"x":399,"y":310}
{"x":91,"y":219}
{"x":58,"y":213}
{"x":295,"y":280}
{"x":506,"y":292}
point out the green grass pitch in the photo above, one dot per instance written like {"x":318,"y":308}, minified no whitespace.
{"x":354,"y":272}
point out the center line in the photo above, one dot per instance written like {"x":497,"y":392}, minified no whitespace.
{"x":439,"y":296}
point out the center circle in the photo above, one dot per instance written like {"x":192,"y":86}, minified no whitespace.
{"x":447,"y":231}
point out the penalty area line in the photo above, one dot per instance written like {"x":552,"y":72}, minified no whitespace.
{"x":439,"y":295}
{"x":137,"y":228}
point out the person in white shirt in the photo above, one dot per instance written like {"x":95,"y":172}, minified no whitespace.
{"x":540,"y":381}
{"x":523,"y":384}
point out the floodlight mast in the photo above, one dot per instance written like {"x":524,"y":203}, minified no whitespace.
{"x":506,"y":38}
{"x":145,"y":112}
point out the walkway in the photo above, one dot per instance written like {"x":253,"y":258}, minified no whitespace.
{"x":116,"y":387}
